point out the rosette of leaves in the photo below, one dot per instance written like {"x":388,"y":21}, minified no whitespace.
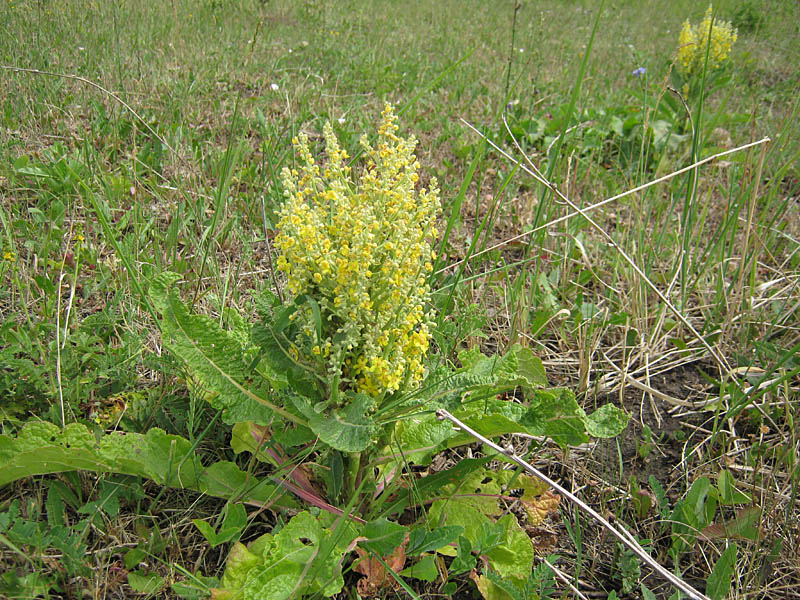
{"x":307,"y":396}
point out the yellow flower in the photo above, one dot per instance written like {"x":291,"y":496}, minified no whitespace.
{"x":360,"y":249}
{"x":694,"y":39}
{"x":9,"y":256}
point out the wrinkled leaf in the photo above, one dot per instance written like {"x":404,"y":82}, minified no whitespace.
{"x":215,"y":358}
{"x":303,"y":558}
{"x":348,"y":429}
{"x":606,"y":422}
{"x":41,"y":448}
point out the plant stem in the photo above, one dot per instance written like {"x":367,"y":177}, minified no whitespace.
{"x":351,"y":474}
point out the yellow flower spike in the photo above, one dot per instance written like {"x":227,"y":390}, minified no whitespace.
{"x":358,"y":248}
{"x":692,"y":42}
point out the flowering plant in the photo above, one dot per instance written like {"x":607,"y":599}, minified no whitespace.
{"x":330,"y":389}
{"x":716,"y":35}
{"x":360,"y":255}
{"x":703,"y":55}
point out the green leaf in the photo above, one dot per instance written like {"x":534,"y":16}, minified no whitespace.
{"x":232,"y":526}
{"x":383,"y":536}
{"x":197,"y":587}
{"x":451,"y":512}
{"x":691,"y":514}
{"x":719,"y":582}
{"x":509,"y":550}
{"x":43,"y":448}
{"x":424,"y":569}
{"x":492,"y":587}
{"x":518,"y":367}
{"x":647,"y":593}
{"x":134,"y":556}
{"x":207,"y":531}
{"x":303,"y":558}
{"x":464,"y":560}
{"x":728,"y":494}
{"x":421,"y":437}
{"x":420,"y":540}
{"x":145,"y":584}
{"x":348,"y":429}
{"x":239,"y":564}
{"x":335,"y":475}
{"x":215,"y":358}
{"x":606,"y":422}
{"x":513,"y":557}
{"x":556,"y":414}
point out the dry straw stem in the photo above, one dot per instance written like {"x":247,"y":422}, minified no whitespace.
{"x":592,"y":206}
{"x":534,"y":172}
{"x":102,"y":89}
{"x":621,"y":534}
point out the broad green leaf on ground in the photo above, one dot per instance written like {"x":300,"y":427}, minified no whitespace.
{"x":348,"y":429}
{"x":511,"y":557}
{"x":494,"y":589}
{"x":518,"y":367}
{"x":420,"y":437}
{"x":303,"y":558}
{"x":606,"y":422}
{"x":215,"y":358}
{"x":454,"y":513}
{"x":424,"y":569}
{"x":478,"y":489}
{"x":553,"y":413}
{"x":383,"y":536}
{"x":719,"y":582}
{"x":41,"y":448}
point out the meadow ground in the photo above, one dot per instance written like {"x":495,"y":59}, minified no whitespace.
{"x":141,"y":137}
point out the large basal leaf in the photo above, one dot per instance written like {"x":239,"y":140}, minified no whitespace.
{"x":518,"y":367}
{"x":302,"y":559}
{"x":215,"y":358}
{"x":606,"y":422}
{"x":511,"y":556}
{"x":348,"y":429}
{"x":41,"y":448}
{"x":553,"y":414}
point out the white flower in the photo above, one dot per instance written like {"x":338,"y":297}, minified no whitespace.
{"x":275,"y":87}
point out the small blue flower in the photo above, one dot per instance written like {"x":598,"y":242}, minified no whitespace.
{"x":639,"y":72}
